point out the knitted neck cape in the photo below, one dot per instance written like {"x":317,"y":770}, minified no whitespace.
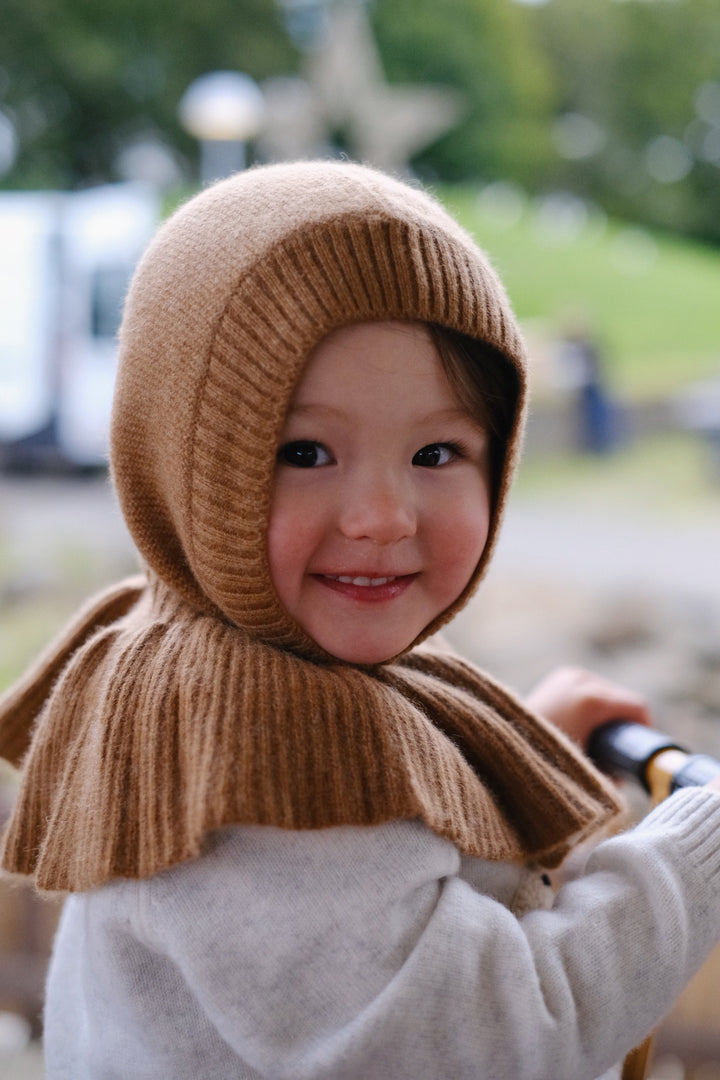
{"x":187,"y":699}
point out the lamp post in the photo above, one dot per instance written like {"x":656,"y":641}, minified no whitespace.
{"x":223,"y":110}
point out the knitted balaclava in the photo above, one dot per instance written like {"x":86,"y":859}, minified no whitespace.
{"x":189,"y":699}
{"x":225,"y":308}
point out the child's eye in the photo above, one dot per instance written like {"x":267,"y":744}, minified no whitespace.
{"x":303,"y":455}
{"x":435,"y":454}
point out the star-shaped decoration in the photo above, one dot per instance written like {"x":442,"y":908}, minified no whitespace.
{"x":345,"y":90}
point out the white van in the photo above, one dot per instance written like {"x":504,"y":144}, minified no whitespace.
{"x":65,"y":262}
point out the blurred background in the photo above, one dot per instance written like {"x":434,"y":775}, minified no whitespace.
{"x":580,"y":144}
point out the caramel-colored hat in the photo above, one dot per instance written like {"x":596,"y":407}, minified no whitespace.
{"x":223,"y":312}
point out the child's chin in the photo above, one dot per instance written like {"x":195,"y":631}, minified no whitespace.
{"x":365,"y":655}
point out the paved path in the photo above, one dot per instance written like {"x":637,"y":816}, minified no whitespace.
{"x":41,"y":514}
{"x":600,"y":548}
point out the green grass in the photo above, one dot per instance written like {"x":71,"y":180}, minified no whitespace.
{"x":41,"y":591}
{"x":664,"y":475}
{"x":25,"y":630}
{"x":651,"y":300}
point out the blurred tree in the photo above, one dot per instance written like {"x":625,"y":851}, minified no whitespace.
{"x":619,"y":102}
{"x":82,"y":78}
{"x":486,"y":50}
{"x":634,"y":74}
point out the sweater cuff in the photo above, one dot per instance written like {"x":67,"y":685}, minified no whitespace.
{"x":692,"y":819}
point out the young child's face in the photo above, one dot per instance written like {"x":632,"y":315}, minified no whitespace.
{"x":380,"y":507}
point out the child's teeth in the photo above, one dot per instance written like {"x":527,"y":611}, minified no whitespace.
{"x":364,"y":580}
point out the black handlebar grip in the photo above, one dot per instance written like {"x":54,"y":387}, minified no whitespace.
{"x":624,"y":749}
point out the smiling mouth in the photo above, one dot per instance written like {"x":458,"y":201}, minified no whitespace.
{"x":362,"y":587}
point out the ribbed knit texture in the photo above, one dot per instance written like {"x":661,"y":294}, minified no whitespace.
{"x":168,"y":724}
{"x":227,"y":304}
{"x":169,"y":710}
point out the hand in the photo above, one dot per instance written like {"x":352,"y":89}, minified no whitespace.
{"x":577,"y":701}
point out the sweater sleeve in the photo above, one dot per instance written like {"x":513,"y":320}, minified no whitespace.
{"x":349,"y":953}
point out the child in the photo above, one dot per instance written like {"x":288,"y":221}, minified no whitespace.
{"x":301,"y":843}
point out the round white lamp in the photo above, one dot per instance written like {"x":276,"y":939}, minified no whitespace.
{"x":223,"y":110}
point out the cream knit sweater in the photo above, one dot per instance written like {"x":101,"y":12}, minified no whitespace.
{"x":382,"y":954}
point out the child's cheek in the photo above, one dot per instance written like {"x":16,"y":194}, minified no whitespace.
{"x":291,"y":540}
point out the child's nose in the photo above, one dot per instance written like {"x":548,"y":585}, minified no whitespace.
{"x":378,"y":508}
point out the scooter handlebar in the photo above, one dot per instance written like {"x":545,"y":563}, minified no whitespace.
{"x":626,"y":750}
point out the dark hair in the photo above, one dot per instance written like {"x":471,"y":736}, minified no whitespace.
{"x":485,"y":383}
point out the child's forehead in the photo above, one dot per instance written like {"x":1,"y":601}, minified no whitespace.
{"x":363,"y":342}
{"x":349,"y":354}
{"x":388,"y":364}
